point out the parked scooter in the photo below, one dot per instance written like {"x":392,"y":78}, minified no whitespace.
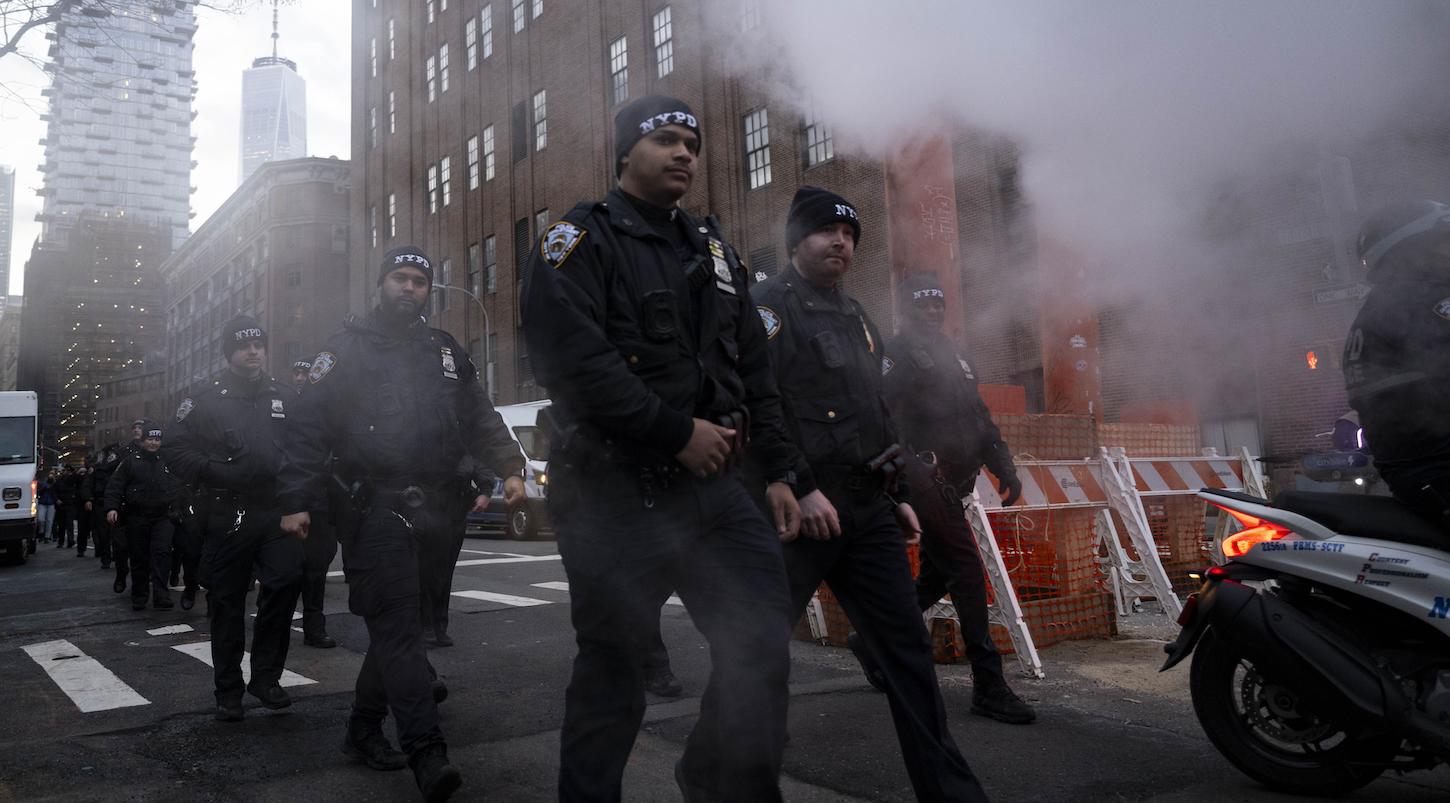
{"x":1323,"y":643}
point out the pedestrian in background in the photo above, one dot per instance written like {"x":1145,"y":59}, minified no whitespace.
{"x":148,"y":494}
{"x":45,"y":506}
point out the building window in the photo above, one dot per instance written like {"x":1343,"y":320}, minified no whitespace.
{"x":473,"y":163}
{"x":470,"y":43}
{"x":488,"y":153}
{"x":518,"y":15}
{"x":749,"y":15}
{"x":339,"y":239}
{"x":447,"y":281}
{"x":536,"y":8}
{"x":446,"y":169}
{"x":522,"y":242}
{"x":443,"y":67}
{"x":293,"y":274}
{"x":618,"y":69}
{"x":294,"y":317}
{"x":475,"y":269}
{"x":374,"y":52}
{"x":541,"y":122}
{"x":817,"y":141}
{"x":490,"y":264}
{"x":392,"y":114}
{"x":430,"y":76}
{"x":372,"y":227}
{"x":757,"y":149}
{"x":392,"y":214}
{"x":524,"y":367}
{"x":373,"y":127}
{"x":292,"y":349}
{"x":432,"y":189}
{"x":664,"y":31}
{"x":486,"y":17}
{"x":432,"y":12}
{"x":392,"y":51}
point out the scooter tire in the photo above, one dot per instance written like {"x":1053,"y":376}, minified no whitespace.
{"x":1345,"y":767}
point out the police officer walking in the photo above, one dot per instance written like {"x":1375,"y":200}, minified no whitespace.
{"x":119,"y":552}
{"x":827,"y":357}
{"x":638,"y":322}
{"x":1397,"y":355}
{"x":397,"y":404}
{"x":226,"y":444}
{"x":146,"y":491}
{"x":318,"y":550}
{"x":931,"y":390}
{"x":93,"y":489}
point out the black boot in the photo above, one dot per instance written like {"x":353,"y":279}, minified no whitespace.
{"x":188,"y":599}
{"x":365,"y":742}
{"x":437,"y":779}
{"x":273,"y":697}
{"x":229,"y":710}
{"x":663,"y":682}
{"x":874,"y":675}
{"x":992,"y":697}
{"x":317,"y":637}
{"x":440,"y":691}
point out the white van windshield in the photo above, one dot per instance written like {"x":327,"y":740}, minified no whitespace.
{"x":17,"y":439}
{"x":534,"y":441}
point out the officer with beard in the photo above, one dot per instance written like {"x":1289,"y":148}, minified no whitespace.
{"x":397,"y":405}
{"x":827,"y":357}
{"x":931,"y":390}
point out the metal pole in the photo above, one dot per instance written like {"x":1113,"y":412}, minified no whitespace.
{"x":487,"y":329}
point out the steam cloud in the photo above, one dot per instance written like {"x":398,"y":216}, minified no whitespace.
{"x":1128,"y":113}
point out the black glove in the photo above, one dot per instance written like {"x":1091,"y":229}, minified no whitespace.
{"x":1010,"y":488}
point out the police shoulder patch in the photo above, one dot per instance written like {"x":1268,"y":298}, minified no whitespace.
{"x":321,"y":366}
{"x":184,"y":409}
{"x":559,"y":241}
{"x":886,"y":365}
{"x":771,"y":321}
{"x":1443,"y":309}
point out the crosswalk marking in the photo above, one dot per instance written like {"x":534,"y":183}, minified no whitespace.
{"x":506,"y":599}
{"x":168,"y":630}
{"x":498,"y":554}
{"x":201,"y":651}
{"x":91,"y":686}
{"x":557,"y":585}
{"x":488,"y":561}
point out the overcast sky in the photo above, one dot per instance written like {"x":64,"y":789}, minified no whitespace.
{"x":315,"y":34}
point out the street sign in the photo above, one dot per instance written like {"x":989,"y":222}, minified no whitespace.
{"x":1340,"y":293}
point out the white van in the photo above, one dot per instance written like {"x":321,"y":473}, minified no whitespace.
{"x":18,"y":449}
{"x":528,"y":520}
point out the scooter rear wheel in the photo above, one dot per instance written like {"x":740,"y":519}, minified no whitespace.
{"x":1256,"y":723}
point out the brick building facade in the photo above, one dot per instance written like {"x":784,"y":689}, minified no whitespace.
{"x":138,"y":392}
{"x":476,"y":123}
{"x":277,"y":250}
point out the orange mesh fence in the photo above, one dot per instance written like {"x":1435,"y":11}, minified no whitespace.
{"x":1184,"y":543}
{"x":1049,"y":437}
{"x":1152,"y":440}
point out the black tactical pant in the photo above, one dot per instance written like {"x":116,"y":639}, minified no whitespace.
{"x":867,"y":569}
{"x":233,"y":551}
{"x":148,"y":536}
{"x":101,"y":530}
{"x":186,"y":547}
{"x":710,"y":543}
{"x":318,"y":550}
{"x":951,"y":563}
{"x":383,"y":588}
{"x":120,"y":552}
{"x":83,"y":529}
{"x":438,"y":557}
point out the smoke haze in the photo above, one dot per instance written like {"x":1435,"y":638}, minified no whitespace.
{"x":1127,"y":113}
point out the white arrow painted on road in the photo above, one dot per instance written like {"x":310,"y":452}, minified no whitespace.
{"x":506,"y":599}
{"x":91,"y":686}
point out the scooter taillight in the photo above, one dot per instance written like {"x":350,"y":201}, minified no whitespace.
{"x":1256,"y":531}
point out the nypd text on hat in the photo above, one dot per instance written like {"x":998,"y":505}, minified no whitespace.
{"x":845,"y":210}
{"x":927,"y":293}
{"x":248,"y":334}
{"x":666,"y":119}
{"x":419,"y":258}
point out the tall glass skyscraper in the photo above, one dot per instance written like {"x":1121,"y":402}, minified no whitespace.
{"x":274,"y":114}
{"x":7,"y":225}
{"x":119,"y":141}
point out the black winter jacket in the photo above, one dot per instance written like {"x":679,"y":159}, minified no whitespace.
{"x":143,"y":485}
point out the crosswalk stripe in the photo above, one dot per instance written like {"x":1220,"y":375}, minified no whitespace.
{"x":674,"y":600}
{"x":90,"y":686}
{"x":506,"y":599}
{"x":201,"y":651}
{"x":487,"y":561}
{"x":169,"y":629}
{"x":555,"y":585}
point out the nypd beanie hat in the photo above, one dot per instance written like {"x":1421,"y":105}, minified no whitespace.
{"x":813,"y":208}
{"x":238,"y":331}
{"x":407,"y":256}
{"x":918,"y":287}
{"x":635,"y":121}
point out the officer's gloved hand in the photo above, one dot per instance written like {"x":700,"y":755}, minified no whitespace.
{"x":1010,"y":488}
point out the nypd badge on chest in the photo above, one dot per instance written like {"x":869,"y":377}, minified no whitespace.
{"x":559,"y":242}
{"x":1443,"y":309}
{"x":277,"y":409}
{"x":771,"y":321}
{"x":966,"y":369}
{"x":184,"y":409}
{"x":321,"y":366}
{"x":450,"y":368}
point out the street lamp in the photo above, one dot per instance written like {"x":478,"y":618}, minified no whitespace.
{"x":487,"y":358}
